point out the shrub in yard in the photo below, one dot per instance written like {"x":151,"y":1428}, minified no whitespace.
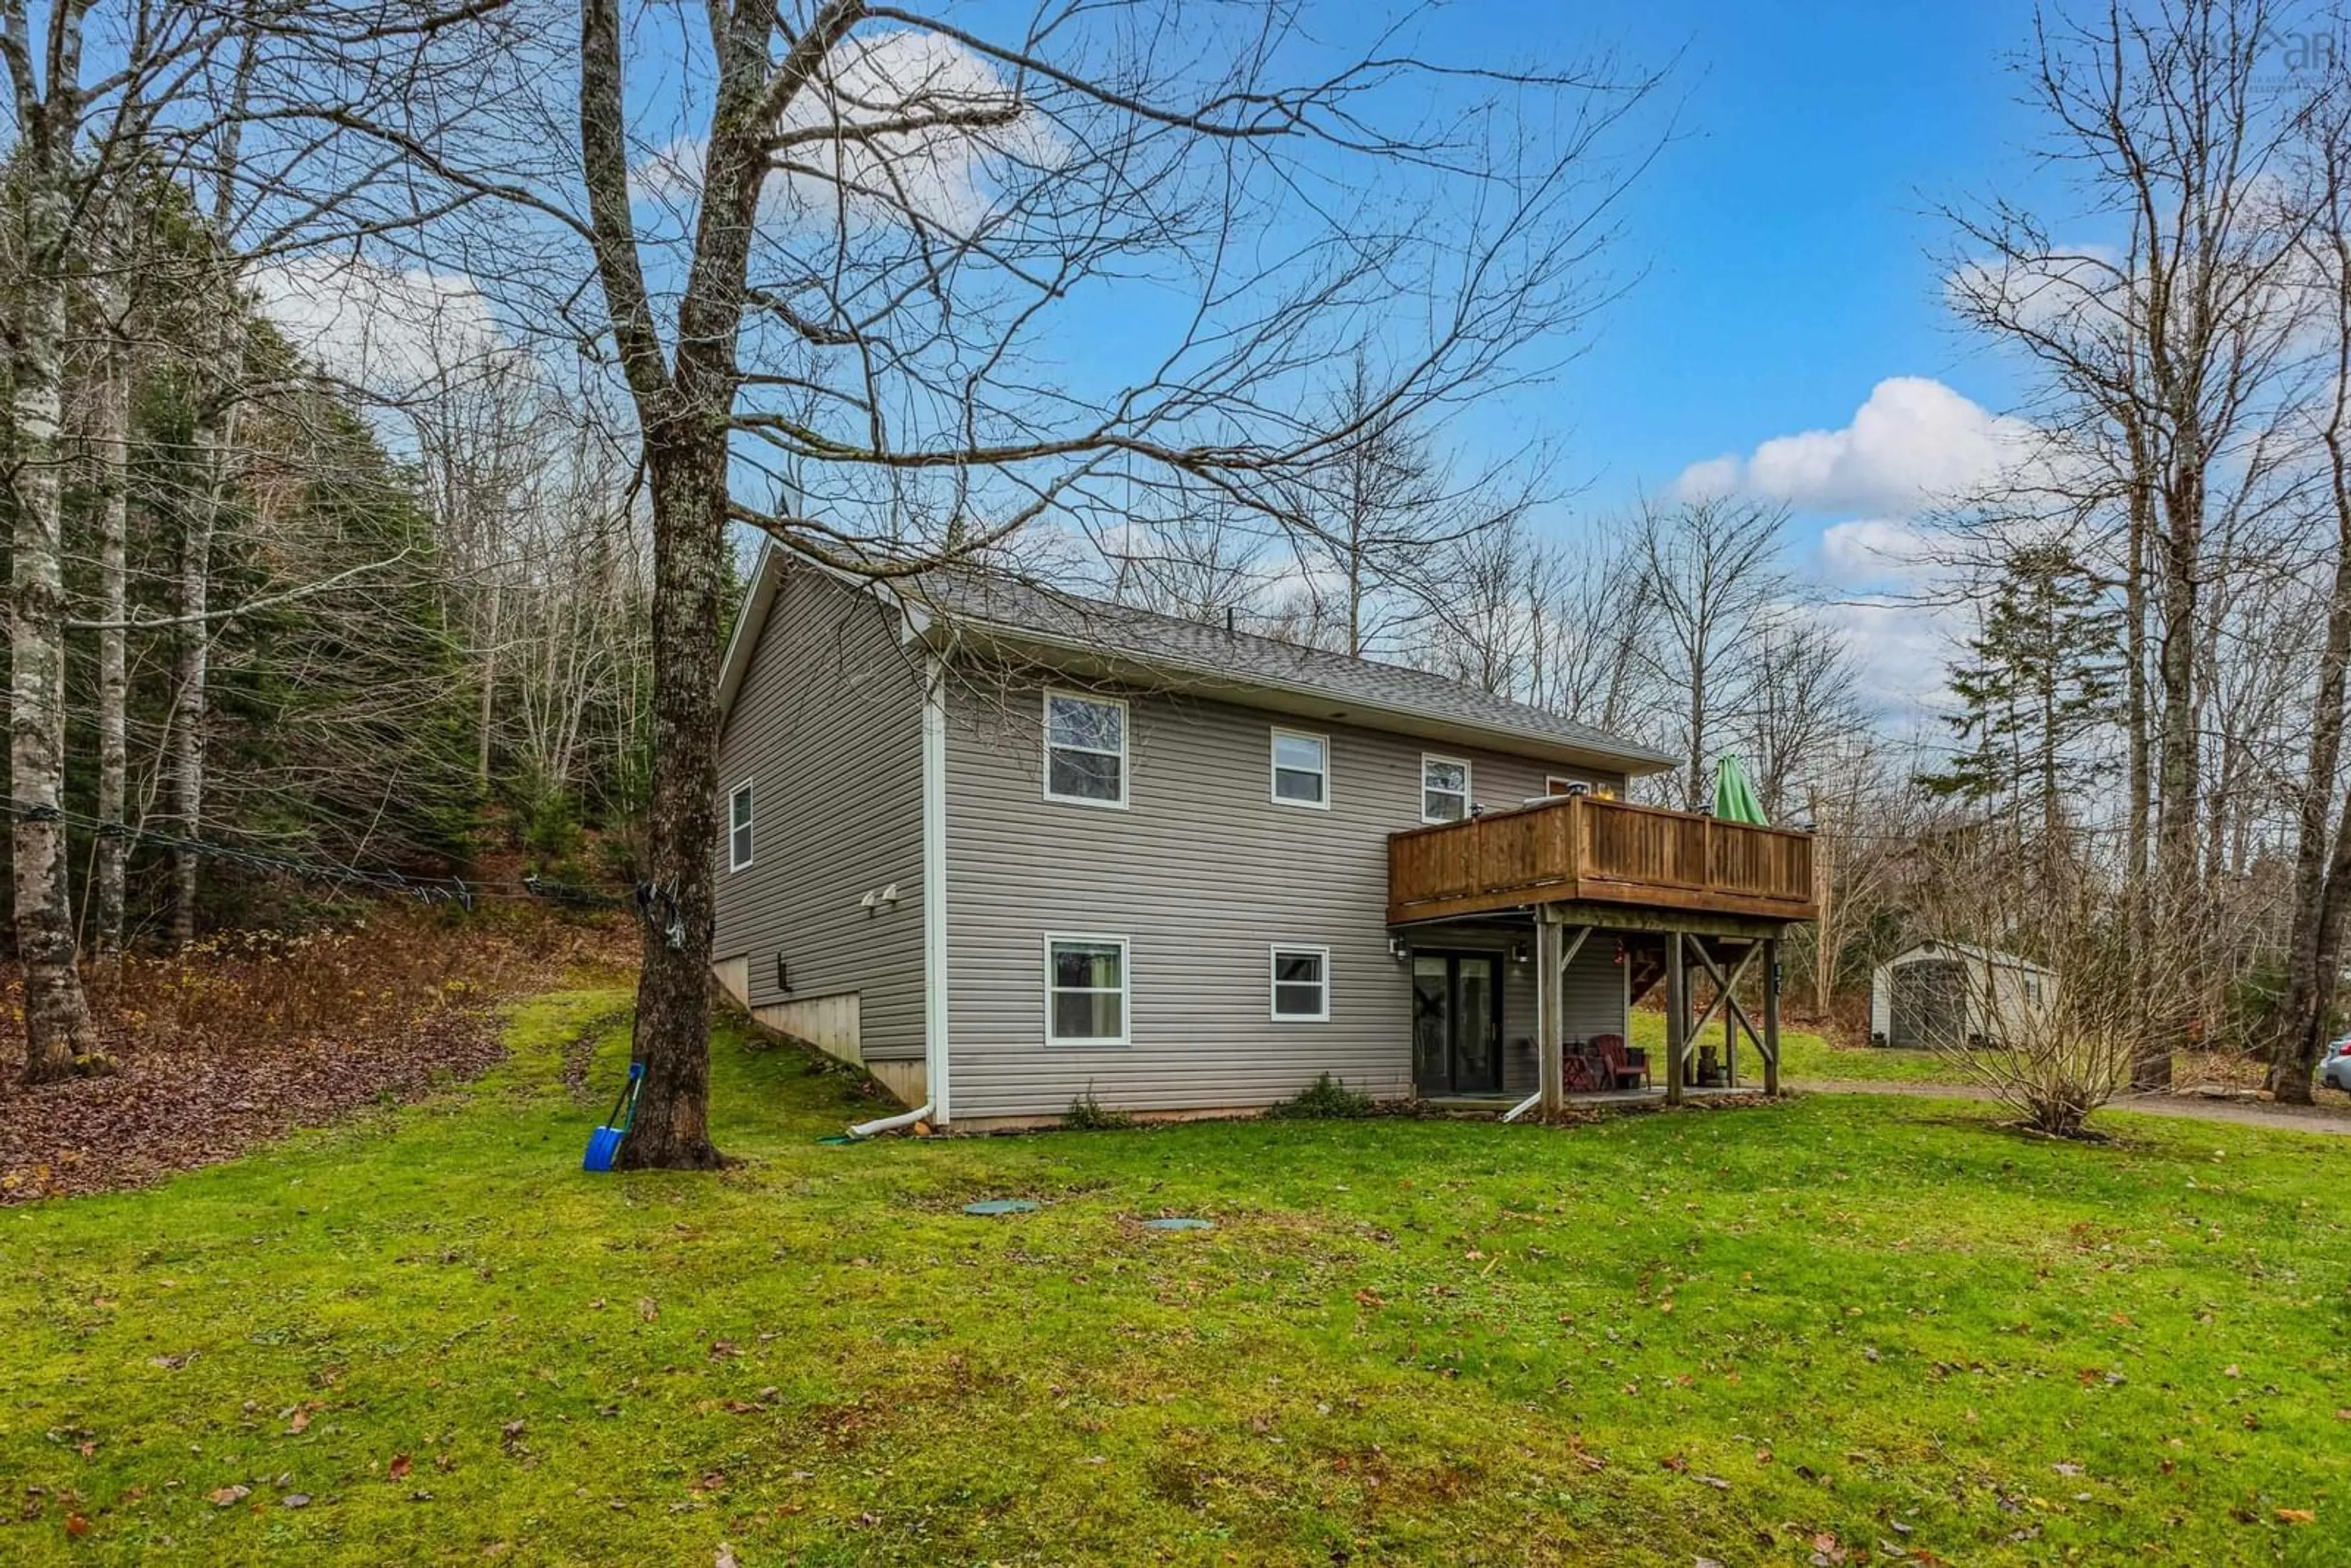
{"x":2069,"y":1044}
{"x":1327,"y":1099}
{"x":1088,"y":1114}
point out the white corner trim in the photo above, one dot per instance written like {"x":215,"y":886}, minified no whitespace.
{"x":934,"y":887}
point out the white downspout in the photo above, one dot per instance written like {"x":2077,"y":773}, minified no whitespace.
{"x":933,"y":1108}
{"x":1523,"y":1106}
{"x":935,"y":884}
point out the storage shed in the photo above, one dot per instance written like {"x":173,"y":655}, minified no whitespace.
{"x":1954,"y":993}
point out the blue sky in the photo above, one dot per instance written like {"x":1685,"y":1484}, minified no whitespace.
{"x":1788,"y":242}
{"x":1788,"y":233}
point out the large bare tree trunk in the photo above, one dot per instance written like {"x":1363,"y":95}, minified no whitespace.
{"x":59,"y":1034}
{"x":684,"y":409}
{"x":689,"y":495}
{"x":2313,"y":944}
{"x":2321,"y":873}
{"x":2178,"y":763}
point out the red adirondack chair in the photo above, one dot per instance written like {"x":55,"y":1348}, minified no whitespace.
{"x":1624,"y":1065}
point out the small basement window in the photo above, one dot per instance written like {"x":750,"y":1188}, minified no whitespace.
{"x":1085,"y":750}
{"x":739,"y":827}
{"x":1301,"y":985}
{"x":1444,"y":788}
{"x":1302,"y":769}
{"x":1086,"y":990}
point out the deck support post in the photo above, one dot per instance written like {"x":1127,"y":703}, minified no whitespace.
{"x":1551,"y":1068}
{"x":1676,"y":1016}
{"x":1772,"y":1015}
{"x":1729,"y":1037}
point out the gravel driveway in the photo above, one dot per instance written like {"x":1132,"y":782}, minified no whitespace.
{"x":2332,"y":1119}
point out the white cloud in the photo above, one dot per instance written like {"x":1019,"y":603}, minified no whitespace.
{"x":1706,"y":481}
{"x":946,"y":175}
{"x":1888,"y":580}
{"x":1887,"y":550}
{"x":1913,"y":444}
{"x":389,"y":332}
{"x":1903,"y":648}
{"x":2039,"y":291}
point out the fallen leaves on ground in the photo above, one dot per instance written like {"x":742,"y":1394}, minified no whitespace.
{"x":166,"y":1112}
{"x":255,"y":1035}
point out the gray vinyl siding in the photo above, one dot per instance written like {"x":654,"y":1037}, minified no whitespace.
{"x":1202,"y":873}
{"x":828,"y":727}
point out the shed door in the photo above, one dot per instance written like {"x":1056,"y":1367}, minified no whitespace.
{"x":1930,"y":1004}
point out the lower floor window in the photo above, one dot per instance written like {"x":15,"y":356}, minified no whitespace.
{"x":1302,"y":984}
{"x":1086,"y":990}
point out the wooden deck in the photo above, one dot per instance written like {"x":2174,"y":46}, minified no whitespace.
{"x":1581,"y":847}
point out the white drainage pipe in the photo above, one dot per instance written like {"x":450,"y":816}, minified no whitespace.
{"x":891,"y":1123}
{"x":1523,"y":1106}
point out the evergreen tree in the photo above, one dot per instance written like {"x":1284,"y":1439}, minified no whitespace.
{"x":2043,"y":672}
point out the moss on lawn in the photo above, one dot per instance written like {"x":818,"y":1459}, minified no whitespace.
{"x":1712,"y":1333}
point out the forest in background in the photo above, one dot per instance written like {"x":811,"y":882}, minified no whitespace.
{"x":318,"y":642}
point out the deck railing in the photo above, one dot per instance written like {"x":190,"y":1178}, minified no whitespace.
{"x":1586,"y":848}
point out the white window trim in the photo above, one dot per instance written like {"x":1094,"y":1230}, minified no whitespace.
{"x":1468,"y":786}
{"x":1273,"y":767}
{"x":1126,"y":747}
{"x":1273,"y":982}
{"x":750,"y":818}
{"x":1125,"y":993}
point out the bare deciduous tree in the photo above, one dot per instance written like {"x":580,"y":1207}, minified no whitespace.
{"x":1712,"y":576}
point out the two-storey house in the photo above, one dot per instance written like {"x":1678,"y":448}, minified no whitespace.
{"x":1006,"y":848}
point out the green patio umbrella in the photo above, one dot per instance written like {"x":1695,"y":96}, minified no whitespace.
{"x":1734,"y":797}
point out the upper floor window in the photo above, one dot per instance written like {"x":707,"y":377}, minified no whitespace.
{"x":739,"y":827}
{"x":1444,"y":788}
{"x":1085,"y":750}
{"x":1302,"y":769}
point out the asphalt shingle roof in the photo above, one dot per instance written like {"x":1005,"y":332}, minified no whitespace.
{"x":1246,"y":660}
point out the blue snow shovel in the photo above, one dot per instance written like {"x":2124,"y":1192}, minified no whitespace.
{"x":604,"y":1143}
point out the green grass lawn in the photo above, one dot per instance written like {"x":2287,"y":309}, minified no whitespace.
{"x":1805,"y":1056}
{"x":1712,"y":1333}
